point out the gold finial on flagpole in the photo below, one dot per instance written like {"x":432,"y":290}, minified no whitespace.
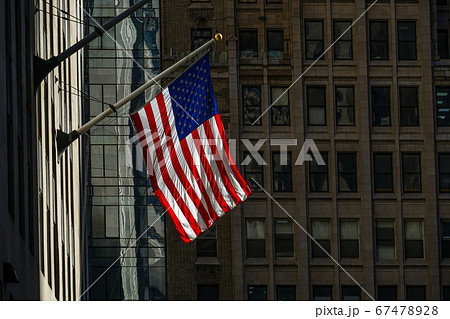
{"x":218,"y":37}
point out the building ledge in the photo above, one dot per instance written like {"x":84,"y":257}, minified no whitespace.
{"x":201,"y":6}
{"x":211,"y":261}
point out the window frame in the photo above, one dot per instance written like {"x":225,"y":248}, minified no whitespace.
{"x":388,"y":107}
{"x":289,"y":187}
{"x":376,"y":173}
{"x":319,"y":173}
{"x":203,"y":238}
{"x":293,"y":287}
{"x":252,"y":241}
{"x":323,"y":107}
{"x":408,"y":242}
{"x":264,"y":287}
{"x":275,"y":106}
{"x":244,"y":106}
{"x":446,"y":88}
{"x":254,"y":53}
{"x":215,"y":286}
{"x":445,"y":242}
{"x":418,"y":173}
{"x":288,"y":237}
{"x":399,"y":42}
{"x":350,"y":287}
{"x":344,"y":242}
{"x":378,"y":240}
{"x":352,"y":106}
{"x":446,"y":49}
{"x":353,"y":173}
{"x":310,"y":41}
{"x":335,"y":37}
{"x":195,"y":37}
{"x":248,"y":180}
{"x":316,"y":251}
{"x":280,"y":56}
{"x":385,"y":41}
{"x":440,"y":162}
{"x":413,"y":107}
{"x":328,"y":288}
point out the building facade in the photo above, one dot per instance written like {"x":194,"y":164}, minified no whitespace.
{"x":121,"y":204}
{"x":41,"y":233}
{"x":375,"y":104}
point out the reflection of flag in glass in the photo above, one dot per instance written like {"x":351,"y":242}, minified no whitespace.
{"x":187,"y":155}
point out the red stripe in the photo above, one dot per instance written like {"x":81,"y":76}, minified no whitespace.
{"x":191,"y":164}
{"x":236,"y":173}
{"x":177,"y":166}
{"x":223,"y":172}
{"x":208,"y":170}
{"x":167,"y":180}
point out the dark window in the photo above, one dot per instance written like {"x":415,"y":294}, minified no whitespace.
{"x":351,"y":293}
{"x":411,"y":173}
{"x":409,"y":106}
{"x":413,"y":239}
{"x":441,"y":2}
{"x":208,"y":292}
{"x":407,"y":40}
{"x":280,"y":109}
{"x":251,"y":103}
{"x":316,"y":105}
{"x":345,"y":106}
{"x":445,"y":239}
{"x":321,"y":233}
{"x":253,"y":170}
{"x":442,"y":37}
{"x":343,"y":49}
{"x":444,"y":173}
{"x":379,"y":40}
{"x":443,"y":106}
{"x":282,"y":172}
{"x":381,"y":106}
{"x":349,"y":233}
{"x":322,"y":293}
{"x":347,"y":172}
{"x":257,"y":293}
{"x":275,"y":44}
{"x":415,"y":293}
{"x":385,"y":239}
{"x":286,"y":293}
{"x":256,"y":239}
{"x":284,"y":238}
{"x":248,"y":43}
{"x":314,"y":39}
{"x":319,"y":175}
{"x":112,"y":221}
{"x":207,"y":243}
{"x":200,"y":37}
{"x":382,"y":163}
{"x":446,"y":293}
{"x":387,"y":293}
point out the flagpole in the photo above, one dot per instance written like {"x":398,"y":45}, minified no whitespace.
{"x":63,"y":140}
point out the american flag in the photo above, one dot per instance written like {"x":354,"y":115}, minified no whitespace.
{"x":186,"y":152}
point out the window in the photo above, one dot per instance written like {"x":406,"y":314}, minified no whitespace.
{"x":286,"y":293}
{"x":256,"y":293}
{"x":318,"y":180}
{"x":415,"y":293}
{"x":446,"y":293}
{"x":347,"y":173}
{"x":314,"y":39}
{"x":322,"y":293}
{"x":381,"y":106}
{"x":379,"y":40}
{"x":282,"y":172}
{"x":351,"y":293}
{"x":280,"y":109}
{"x":345,"y":106}
{"x":253,"y":171}
{"x":385,"y":239}
{"x":275,"y":44}
{"x":256,"y":239}
{"x":413,"y":239}
{"x":442,"y":38}
{"x":207,"y":292}
{"x":382,"y":163}
{"x":112,"y":222}
{"x":200,"y":37}
{"x":284,"y":238}
{"x":343,"y":49}
{"x":445,"y":239}
{"x":248,"y":43}
{"x":407,"y":40}
{"x":321,"y":233}
{"x":207,"y":243}
{"x":409,"y":106}
{"x":411,"y":173}
{"x":443,"y":106}
{"x":349,"y":239}
{"x":251,"y":103}
{"x":441,"y":2}
{"x":316,"y":105}
{"x":387,"y":293}
{"x":444,"y":173}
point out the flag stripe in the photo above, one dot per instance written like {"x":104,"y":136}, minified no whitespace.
{"x":186,"y":233}
{"x":166,"y":179}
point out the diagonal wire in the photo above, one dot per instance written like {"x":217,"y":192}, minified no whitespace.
{"x":314,"y":240}
{"x":315,"y":61}
{"x":134,"y":60}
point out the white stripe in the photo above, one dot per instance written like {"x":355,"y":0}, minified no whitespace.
{"x":212,"y":163}
{"x":180,"y":156}
{"x":203,"y":176}
{"x":156,"y":171}
{"x":221,"y":151}
{"x":169,"y":166}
